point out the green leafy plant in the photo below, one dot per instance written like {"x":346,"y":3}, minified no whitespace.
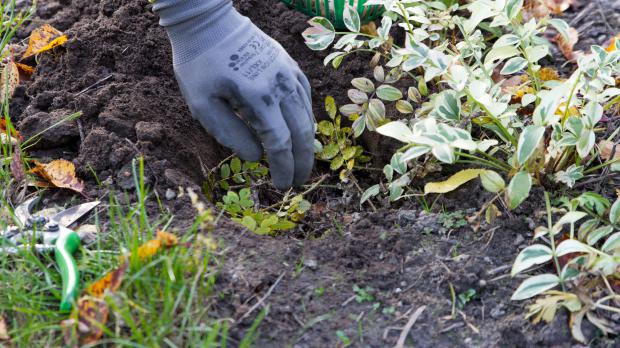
{"x":363,"y":294}
{"x":335,"y":143}
{"x":586,"y":262}
{"x":465,"y":113}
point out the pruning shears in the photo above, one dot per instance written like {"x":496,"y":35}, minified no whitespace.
{"x":55,"y":235}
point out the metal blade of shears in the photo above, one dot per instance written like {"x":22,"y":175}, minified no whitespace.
{"x":22,"y":212}
{"x":68,"y":217}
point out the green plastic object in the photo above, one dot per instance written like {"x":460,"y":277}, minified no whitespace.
{"x":67,"y":244}
{"x":333,"y":9}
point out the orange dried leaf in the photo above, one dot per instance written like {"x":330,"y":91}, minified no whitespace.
{"x":152,"y":247}
{"x":612,"y":44}
{"x":9,"y":80}
{"x":25,"y":70}
{"x":557,"y":6}
{"x":566,"y":46}
{"x":548,"y":74}
{"x":43,"y":39}
{"x":60,"y":174}
{"x":110,"y":282}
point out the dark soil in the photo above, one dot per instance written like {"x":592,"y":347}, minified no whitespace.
{"x":116,"y":69}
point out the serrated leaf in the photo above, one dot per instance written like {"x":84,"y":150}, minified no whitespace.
{"x":454,"y":182}
{"x":535,"y":285}
{"x":533,"y":255}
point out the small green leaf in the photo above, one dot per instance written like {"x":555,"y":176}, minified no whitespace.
{"x":528,"y":142}
{"x":533,"y":255}
{"x":491,"y":181}
{"x":389,"y":93}
{"x":513,"y":65}
{"x":612,"y":243}
{"x":363,"y":84}
{"x":404,"y":107}
{"x":235,"y":165}
{"x":518,"y":189}
{"x":326,"y":128}
{"x":329,"y":151}
{"x":614,"y":212}
{"x":225,"y":171}
{"x":370,"y":192}
{"x":249,"y":223}
{"x":351,"y":18}
{"x":535,"y":285}
{"x":330,"y":107}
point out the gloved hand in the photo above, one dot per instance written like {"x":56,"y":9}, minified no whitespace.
{"x":242,"y":86}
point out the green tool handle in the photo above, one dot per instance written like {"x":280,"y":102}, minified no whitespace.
{"x":67,"y":244}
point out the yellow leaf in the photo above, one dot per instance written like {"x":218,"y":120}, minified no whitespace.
{"x":152,"y":247}
{"x":612,"y":44}
{"x":454,"y":182}
{"x":60,"y":174}
{"x":43,"y":39}
{"x":111,"y":282}
{"x":9,"y":80}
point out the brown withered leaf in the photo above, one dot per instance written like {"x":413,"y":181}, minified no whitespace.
{"x":542,"y":8}
{"x":4,"y":331}
{"x":606,"y":149}
{"x":86,"y":322}
{"x":567,"y":46}
{"x":110,"y":282}
{"x":59,"y":174}
{"x":17,"y":166}
{"x":25,"y":71}
{"x":9,"y":80}
{"x":44,"y":39}
{"x":558,"y":6}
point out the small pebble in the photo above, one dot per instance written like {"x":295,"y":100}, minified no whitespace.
{"x":518,"y":240}
{"x":170,"y":194}
{"x":312,"y":264}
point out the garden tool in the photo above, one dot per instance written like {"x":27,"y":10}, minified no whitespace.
{"x":55,"y":235}
{"x":333,"y":9}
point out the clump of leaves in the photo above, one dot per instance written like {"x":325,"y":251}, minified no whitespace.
{"x":335,"y":143}
{"x":233,"y":174}
{"x":586,"y":261}
{"x":452,"y":220}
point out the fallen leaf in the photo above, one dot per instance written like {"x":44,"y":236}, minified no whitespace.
{"x":14,"y":133}
{"x":59,"y":174}
{"x":567,"y":46}
{"x":9,"y":80}
{"x":558,"y":6}
{"x":4,"y":332}
{"x":453,"y":182}
{"x":612,"y":44}
{"x":548,"y":74}
{"x":110,"y":282}
{"x":25,"y":70}
{"x":152,"y":247}
{"x":43,"y":39}
{"x":86,"y":322}
{"x":606,"y":148}
{"x":17,"y":167}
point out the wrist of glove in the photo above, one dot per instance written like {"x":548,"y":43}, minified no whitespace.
{"x":242,"y":86}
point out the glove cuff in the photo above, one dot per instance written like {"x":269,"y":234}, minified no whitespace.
{"x":195,"y":26}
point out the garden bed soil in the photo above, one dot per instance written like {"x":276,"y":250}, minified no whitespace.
{"x":116,"y":69}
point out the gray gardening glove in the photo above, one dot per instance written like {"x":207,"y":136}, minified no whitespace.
{"x":242,"y":86}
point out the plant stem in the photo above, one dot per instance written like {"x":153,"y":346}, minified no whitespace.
{"x":552,"y":239}
{"x":476,"y":159}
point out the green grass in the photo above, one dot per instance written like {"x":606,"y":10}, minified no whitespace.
{"x":166,"y":300}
